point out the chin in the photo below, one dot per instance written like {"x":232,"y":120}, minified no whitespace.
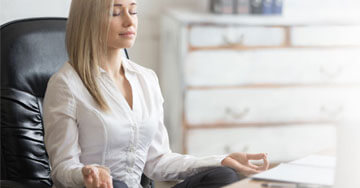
{"x":129,"y":45}
{"x":121,"y":46}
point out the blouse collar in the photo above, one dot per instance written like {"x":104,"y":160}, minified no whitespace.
{"x":126,"y":64}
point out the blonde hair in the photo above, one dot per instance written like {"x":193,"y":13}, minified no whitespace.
{"x":86,"y":41}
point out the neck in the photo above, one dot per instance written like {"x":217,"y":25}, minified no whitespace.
{"x":113,"y":64}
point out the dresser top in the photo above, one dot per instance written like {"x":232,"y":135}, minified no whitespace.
{"x":187,"y":16}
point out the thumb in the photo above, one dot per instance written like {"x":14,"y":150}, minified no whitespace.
{"x":87,"y":170}
{"x":257,"y":156}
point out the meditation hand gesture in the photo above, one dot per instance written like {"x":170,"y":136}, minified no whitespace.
{"x":96,"y":177}
{"x":241,"y":162}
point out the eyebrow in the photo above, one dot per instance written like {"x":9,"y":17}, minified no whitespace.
{"x":119,"y":5}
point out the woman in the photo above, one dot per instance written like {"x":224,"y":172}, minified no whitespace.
{"x":103,"y":114}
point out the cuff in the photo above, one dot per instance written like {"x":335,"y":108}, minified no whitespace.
{"x":78,"y":176}
{"x":214,"y":160}
{"x":218,"y":159}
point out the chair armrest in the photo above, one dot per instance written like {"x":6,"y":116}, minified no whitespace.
{"x":22,"y":184}
{"x":146,"y":182}
{"x":11,"y":184}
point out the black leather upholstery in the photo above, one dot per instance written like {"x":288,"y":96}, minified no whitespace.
{"x":31,"y":51}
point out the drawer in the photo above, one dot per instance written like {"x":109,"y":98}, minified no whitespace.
{"x":212,"y":36}
{"x":281,"y":66}
{"x":270,"y":105}
{"x":282,"y":143}
{"x":325,"y":36}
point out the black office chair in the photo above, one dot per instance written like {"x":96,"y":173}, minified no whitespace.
{"x":31,"y":51}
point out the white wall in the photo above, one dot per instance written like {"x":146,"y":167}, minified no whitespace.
{"x":18,"y":9}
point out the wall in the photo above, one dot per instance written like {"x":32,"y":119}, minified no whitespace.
{"x":18,"y":9}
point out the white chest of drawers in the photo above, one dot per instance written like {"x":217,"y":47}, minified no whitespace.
{"x":257,"y":84}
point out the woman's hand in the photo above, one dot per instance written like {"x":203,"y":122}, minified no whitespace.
{"x":96,"y":177}
{"x":241,"y":162}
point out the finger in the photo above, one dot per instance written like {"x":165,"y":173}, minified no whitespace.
{"x":110,"y":182}
{"x":88,"y":180}
{"x":257,"y":156}
{"x":108,"y":185}
{"x":230,"y":162}
{"x":86,"y":170}
{"x":246,"y":170}
{"x":256,"y":167}
{"x":259,"y":167}
{"x":265,"y":164}
{"x":103,"y":185}
{"x":96,"y":178}
{"x":105,"y":177}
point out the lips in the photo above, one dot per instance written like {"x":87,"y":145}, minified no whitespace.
{"x":129,"y":33}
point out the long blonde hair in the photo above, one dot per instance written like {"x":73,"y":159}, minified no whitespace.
{"x":86,"y":41}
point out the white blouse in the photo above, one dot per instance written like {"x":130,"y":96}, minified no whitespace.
{"x":127,"y":141}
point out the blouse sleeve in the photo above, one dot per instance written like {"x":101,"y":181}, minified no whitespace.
{"x":61,"y":134}
{"x":164,"y":165}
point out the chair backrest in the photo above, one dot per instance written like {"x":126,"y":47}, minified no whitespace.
{"x":31,"y":51}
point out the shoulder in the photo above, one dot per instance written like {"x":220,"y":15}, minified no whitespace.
{"x":66,"y":78}
{"x":146,"y":72}
{"x":59,"y":91}
{"x":149,"y":77}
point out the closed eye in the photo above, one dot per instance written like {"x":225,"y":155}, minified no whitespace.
{"x":131,"y":13}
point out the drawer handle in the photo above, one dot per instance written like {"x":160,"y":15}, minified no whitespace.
{"x":237,"y":115}
{"x":331,"y":74}
{"x":332,"y":112}
{"x":238,"y":41}
{"x":245,"y":149}
{"x":228,"y":149}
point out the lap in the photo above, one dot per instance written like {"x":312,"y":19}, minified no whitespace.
{"x":118,"y":184}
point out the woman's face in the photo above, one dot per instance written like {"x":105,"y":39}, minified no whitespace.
{"x":123,"y":24}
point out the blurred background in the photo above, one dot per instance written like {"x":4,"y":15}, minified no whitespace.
{"x":245,"y":75}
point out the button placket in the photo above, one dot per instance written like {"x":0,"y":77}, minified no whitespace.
{"x":132,"y":145}
{"x":133,"y":133}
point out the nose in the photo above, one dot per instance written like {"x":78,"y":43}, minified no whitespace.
{"x":128,"y":20}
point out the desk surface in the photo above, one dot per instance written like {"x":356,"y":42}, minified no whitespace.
{"x":249,"y":183}
{"x":246,"y":183}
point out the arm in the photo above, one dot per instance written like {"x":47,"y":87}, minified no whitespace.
{"x":61,"y":134}
{"x":61,"y":141}
{"x":162,"y":164}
